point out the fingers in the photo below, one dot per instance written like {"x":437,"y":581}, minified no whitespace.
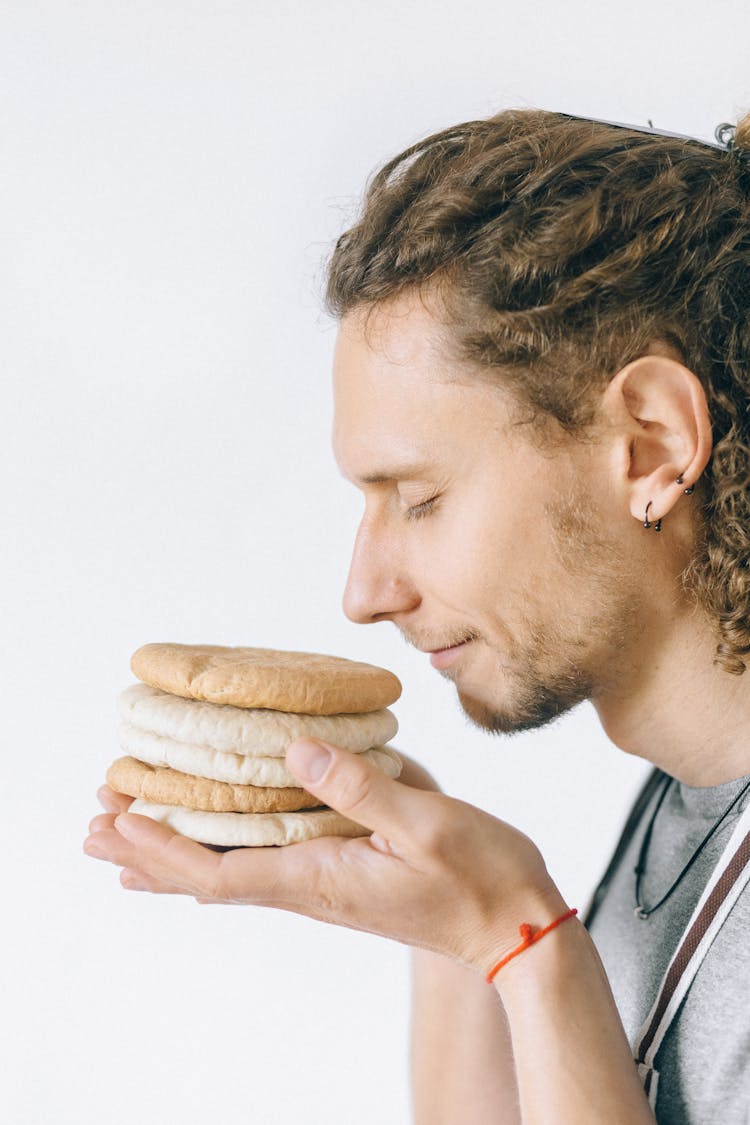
{"x":105,"y":842}
{"x":113,"y":802}
{"x":101,"y":822}
{"x":353,"y":786}
{"x":139,"y":843}
{"x":138,"y":881}
{"x":157,"y":853}
{"x":156,"y":858}
{"x":415,"y":775}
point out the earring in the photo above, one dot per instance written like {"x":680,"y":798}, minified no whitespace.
{"x":680,"y":480}
{"x":646,"y":521}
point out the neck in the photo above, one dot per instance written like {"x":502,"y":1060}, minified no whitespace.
{"x":676,"y":708}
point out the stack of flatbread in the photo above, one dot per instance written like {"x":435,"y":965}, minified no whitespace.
{"x":206,"y":730}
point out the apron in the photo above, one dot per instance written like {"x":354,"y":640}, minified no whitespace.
{"x":728,"y":880}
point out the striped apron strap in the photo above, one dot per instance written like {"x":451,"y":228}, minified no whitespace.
{"x":727,"y":882}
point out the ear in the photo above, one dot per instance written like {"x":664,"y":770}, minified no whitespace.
{"x":662,"y":407}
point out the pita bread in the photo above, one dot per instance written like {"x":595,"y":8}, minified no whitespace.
{"x":302,"y":682}
{"x":164,"y":786}
{"x":250,"y":830}
{"x":237,"y":769}
{"x":237,"y":730}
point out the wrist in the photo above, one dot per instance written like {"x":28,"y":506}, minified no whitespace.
{"x":565,"y":1026}
{"x":543,"y":964}
{"x":539,"y":906}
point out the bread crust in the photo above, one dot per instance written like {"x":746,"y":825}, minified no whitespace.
{"x":302,"y":682}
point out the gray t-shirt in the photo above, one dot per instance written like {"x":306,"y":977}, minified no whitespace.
{"x":704,"y":1060}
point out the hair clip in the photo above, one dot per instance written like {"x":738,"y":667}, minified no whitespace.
{"x":724,"y":134}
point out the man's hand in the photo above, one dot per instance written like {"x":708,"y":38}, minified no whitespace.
{"x":436,"y":872}
{"x":412,"y":773}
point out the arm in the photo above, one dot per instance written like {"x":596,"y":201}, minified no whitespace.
{"x":440,"y":875}
{"x":566,"y":1028}
{"x":462,"y":1058}
{"x":461,"y":1055}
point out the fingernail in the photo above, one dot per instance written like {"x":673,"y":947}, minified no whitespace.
{"x":310,"y":760}
{"x":380,"y":842}
{"x":123,"y":826}
{"x":93,"y":849}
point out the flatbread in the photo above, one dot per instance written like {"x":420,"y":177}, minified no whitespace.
{"x":238,"y":730}
{"x":250,"y":830}
{"x":164,"y":786}
{"x":238,"y":769}
{"x":310,"y":683}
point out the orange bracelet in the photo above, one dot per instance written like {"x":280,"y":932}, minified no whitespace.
{"x":525,"y":931}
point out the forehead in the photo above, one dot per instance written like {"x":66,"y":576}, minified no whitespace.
{"x":398,"y":397}
{"x":394,"y":349}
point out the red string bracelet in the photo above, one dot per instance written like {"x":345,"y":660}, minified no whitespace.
{"x":525,"y":931}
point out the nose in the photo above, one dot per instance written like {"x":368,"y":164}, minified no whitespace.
{"x":377,"y":588}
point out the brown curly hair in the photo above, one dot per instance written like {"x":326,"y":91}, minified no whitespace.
{"x":561,"y":249}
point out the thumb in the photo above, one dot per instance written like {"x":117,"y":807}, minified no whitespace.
{"x":353,"y":786}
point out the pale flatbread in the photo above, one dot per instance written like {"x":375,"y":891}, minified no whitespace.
{"x":237,"y":769}
{"x":165,"y":786}
{"x":302,"y":682}
{"x":238,"y":730}
{"x":250,"y":830}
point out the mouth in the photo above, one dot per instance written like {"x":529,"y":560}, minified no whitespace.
{"x":443,"y":657}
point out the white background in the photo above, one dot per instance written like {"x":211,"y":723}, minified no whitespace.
{"x":173,"y":176}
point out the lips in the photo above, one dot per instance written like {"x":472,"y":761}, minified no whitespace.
{"x":443,"y":657}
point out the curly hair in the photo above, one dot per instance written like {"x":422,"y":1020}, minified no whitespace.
{"x":562,"y":248}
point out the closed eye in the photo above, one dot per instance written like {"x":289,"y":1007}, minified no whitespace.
{"x":418,"y":511}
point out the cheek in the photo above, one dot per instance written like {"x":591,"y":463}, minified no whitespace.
{"x":466,"y":552}
{"x":488,"y":556}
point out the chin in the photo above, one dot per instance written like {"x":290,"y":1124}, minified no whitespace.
{"x":528,"y":714}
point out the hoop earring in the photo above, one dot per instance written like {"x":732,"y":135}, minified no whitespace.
{"x":680,"y":480}
{"x":646,"y":521}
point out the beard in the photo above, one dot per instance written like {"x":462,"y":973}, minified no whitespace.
{"x":559,"y":657}
{"x":534,"y":697}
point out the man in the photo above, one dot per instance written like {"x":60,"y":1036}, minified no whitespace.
{"x":541,"y":389}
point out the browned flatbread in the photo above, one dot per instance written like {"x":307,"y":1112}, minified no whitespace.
{"x":164,"y":786}
{"x":302,"y":682}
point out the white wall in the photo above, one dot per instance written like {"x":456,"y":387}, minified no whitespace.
{"x":173,"y":174}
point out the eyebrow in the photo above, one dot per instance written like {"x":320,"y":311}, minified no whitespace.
{"x":404,"y":471}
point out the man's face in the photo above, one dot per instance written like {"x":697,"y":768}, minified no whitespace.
{"x":473,"y":540}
